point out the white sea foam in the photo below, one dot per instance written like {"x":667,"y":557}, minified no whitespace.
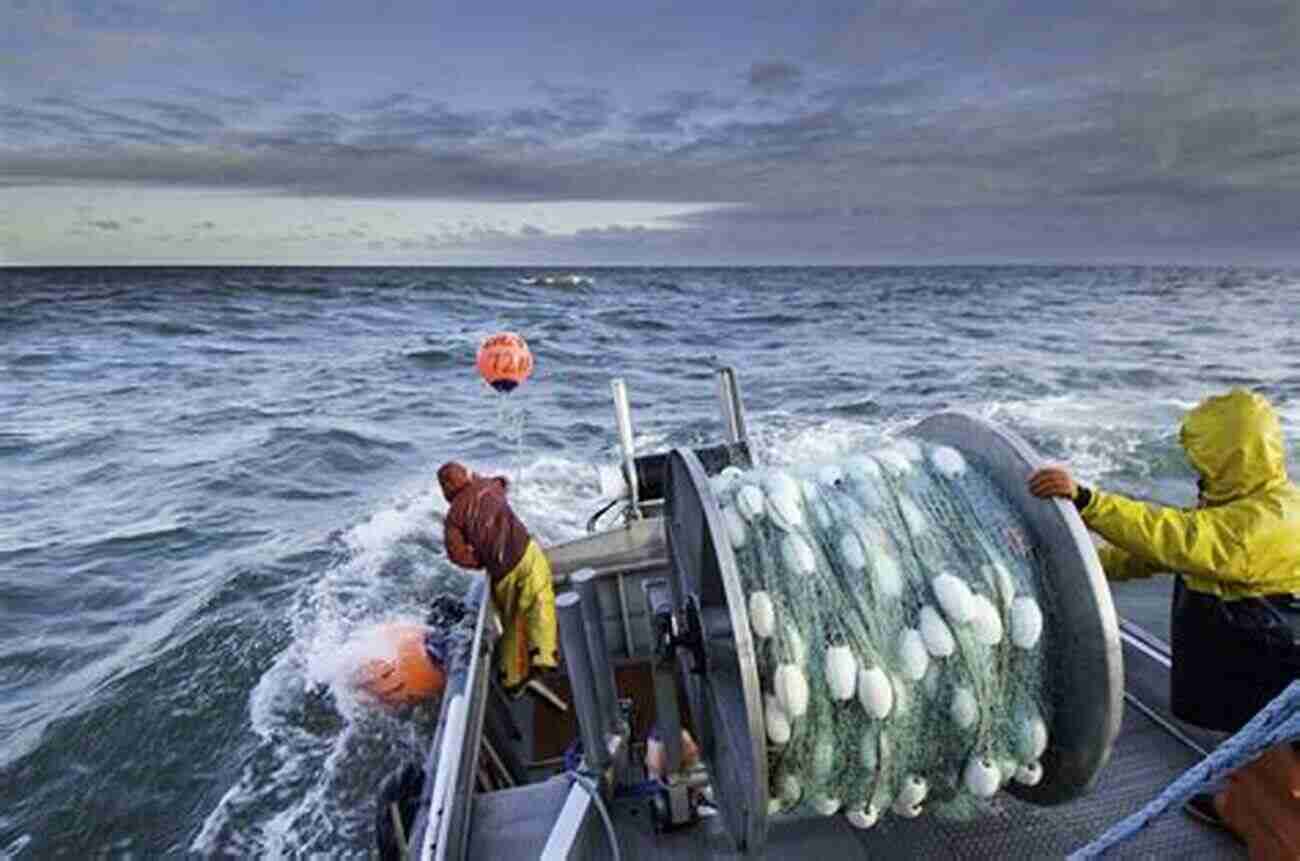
{"x":314,"y":734}
{"x":792,"y":441}
{"x":1097,"y":435}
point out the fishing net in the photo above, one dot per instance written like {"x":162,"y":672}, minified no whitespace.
{"x":898,"y":613}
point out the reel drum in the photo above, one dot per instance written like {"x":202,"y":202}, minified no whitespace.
{"x":725,"y":694}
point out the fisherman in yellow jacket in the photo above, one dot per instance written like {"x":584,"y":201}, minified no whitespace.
{"x":1235,"y":558}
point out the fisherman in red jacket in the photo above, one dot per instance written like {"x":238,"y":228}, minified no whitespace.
{"x":481,"y":531}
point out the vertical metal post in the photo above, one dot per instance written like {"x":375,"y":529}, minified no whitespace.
{"x":667,"y":716}
{"x":733,"y":413}
{"x":577,"y":658}
{"x":627,"y":619}
{"x":584,"y":583}
{"x":623,"y":418}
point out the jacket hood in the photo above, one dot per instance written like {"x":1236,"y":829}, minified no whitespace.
{"x":454,"y":478}
{"x":1235,"y":442}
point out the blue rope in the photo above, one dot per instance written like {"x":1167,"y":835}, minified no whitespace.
{"x":1277,"y":722}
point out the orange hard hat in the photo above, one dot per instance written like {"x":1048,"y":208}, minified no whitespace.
{"x":407,"y":675}
{"x":504,"y":360}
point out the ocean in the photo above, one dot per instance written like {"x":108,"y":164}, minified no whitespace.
{"x":213,"y":476}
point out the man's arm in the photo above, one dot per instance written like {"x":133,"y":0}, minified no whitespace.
{"x":459,"y":550}
{"x":1122,"y":565}
{"x":1147,"y":538}
{"x":1170,"y":539}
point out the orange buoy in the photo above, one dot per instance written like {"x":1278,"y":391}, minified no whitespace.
{"x":504,"y":361}
{"x":405,"y":674}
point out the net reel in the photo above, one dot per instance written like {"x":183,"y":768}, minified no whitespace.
{"x":718,"y":658}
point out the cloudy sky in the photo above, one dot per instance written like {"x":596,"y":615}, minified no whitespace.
{"x":590,"y":131}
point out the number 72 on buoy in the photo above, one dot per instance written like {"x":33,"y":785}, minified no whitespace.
{"x":504,"y":361}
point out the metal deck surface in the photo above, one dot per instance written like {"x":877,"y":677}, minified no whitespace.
{"x":513,"y":824}
{"x":1145,"y":760}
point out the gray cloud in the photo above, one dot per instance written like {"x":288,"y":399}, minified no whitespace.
{"x":177,"y":114}
{"x":564,"y":114}
{"x":679,"y":109}
{"x":415,"y":122}
{"x":774,"y":75}
{"x":658,"y":122}
{"x":106,"y":224}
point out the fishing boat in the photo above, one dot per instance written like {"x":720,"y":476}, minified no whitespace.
{"x":565,"y":279}
{"x":656,"y":639}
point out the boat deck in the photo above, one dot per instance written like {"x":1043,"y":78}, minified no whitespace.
{"x":1146,"y":758}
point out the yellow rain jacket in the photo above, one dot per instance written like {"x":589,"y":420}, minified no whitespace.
{"x":1245,"y":542}
{"x":1233,"y":636}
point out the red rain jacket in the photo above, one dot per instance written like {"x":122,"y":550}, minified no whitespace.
{"x":480,"y":530}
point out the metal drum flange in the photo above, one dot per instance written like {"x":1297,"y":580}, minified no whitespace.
{"x":725,"y":696}
{"x":1085,"y":661}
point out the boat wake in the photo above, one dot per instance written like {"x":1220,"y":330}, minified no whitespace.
{"x":315,"y":750}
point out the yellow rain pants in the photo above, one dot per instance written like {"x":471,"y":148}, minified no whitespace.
{"x":525,"y":599}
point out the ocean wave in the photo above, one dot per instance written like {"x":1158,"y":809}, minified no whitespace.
{"x":12,"y":443}
{"x":764,"y":319}
{"x":76,"y":446}
{"x":150,"y":535}
{"x":864,"y":408}
{"x":43,"y":359}
{"x":223,"y":350}
{"x":631,"y":319}
{"x":308,"y":784}
{"x":298,"y":451}
{"x":433,"y":357}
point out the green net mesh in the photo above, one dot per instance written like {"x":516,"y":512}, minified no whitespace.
{"x":898,"y":615}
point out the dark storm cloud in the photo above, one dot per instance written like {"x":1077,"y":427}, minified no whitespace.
{"x":677,"y":109}
{"x":315,"y":128}
{"x":219,"y":101}
{"x":534,"y":119}
{"x":20,"y":121}
{"x":658,"y":122}
{"x":569,"y":111}
{"x":878,"y":95}
{"x":416,"y":122}
{"x":774,"y":75}
{"x":390,"y":102}
{"x":136,"y":121}
{"x":177,"y":114}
